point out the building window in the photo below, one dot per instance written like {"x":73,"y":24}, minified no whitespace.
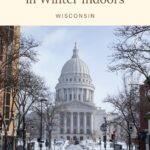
{"x":88,"y":131}
{"x":68,"y":119}
{"x":7,"y":121}
{"x":1,"y":49}
{"x":68,"y":131}
{"x":66,"y":79}
{"x":70,"y":79}
{"x":7,"y":99}
{"x":65,"y":97}
{"x":70,"y":97}
{"x":81,"y":138}
{"x":68,"y":137}
{"x":7,"y":112}
{"x":81,"y":131}
{"x":84,"y":95}
{"x":88,"y":123}
{"x":61,"y":131}
{"x":79,"y":97}
{"x":81,"y":119}
{"x":79,"y":80}
{"x":88,"y":120}
{"x":61,"y":119}
{"x":75,"y":119}
{"x":74,"y":131}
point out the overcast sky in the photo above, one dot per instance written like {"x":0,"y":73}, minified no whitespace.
{"x":94,"y":49}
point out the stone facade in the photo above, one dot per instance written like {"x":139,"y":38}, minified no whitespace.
{"x":80,"y":117}
{"x":9,"y":44}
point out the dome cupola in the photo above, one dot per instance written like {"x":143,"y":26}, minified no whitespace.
{"x":75,"y":51}
{"x":75,"y":65}
{"x":75,"y":82}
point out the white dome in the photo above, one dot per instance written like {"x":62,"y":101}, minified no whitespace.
{"x":75,"y":65}
{"x":75,"y":83}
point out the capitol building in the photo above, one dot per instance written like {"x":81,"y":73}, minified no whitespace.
{"x":80,"y":117}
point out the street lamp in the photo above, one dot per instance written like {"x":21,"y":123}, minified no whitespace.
{"x":41,"y":125}
{"x":105,"y":136}
{"x":103,"y":128}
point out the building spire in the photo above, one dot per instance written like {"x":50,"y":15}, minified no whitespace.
{"x":75,"y":51}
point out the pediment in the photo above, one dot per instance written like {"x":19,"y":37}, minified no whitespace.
{"x":74,"y":105}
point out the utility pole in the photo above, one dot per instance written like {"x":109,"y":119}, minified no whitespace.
{"x":103,"y":128}
{"x":105,"y":133}
{"x":41,"y":125}
{"x":100,"y":143}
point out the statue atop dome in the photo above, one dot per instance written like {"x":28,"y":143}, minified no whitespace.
{"x":75,"y":51}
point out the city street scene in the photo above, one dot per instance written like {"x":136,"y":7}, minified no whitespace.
{"x":74,"y":87}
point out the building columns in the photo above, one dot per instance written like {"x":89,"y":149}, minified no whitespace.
{"x":65,"y":123}
{"x":78,"y":122}
{"x":81,"y":95}
{"x":85,"y":127}
{"x":71,"y":114}
{"x":67,"y":91}
{"x":85,"y":117}
{"x":92,"y":123}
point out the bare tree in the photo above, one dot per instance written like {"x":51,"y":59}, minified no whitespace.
{"x":30,"y":89}
{"x":51,"y":112}
{"x":126,"y":106}
{"x":12,"y":49}
{"x":132,"y":51}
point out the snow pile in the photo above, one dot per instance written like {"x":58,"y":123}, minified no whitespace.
{"x":74,"y":147}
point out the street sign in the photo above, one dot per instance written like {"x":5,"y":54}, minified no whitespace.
{"x":103,"y":127}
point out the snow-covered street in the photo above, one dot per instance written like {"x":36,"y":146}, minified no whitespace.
{"x":83,"y":146}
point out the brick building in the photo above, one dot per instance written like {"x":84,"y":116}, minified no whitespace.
{"x":144,"y":109}
{"x":9,"y":44}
